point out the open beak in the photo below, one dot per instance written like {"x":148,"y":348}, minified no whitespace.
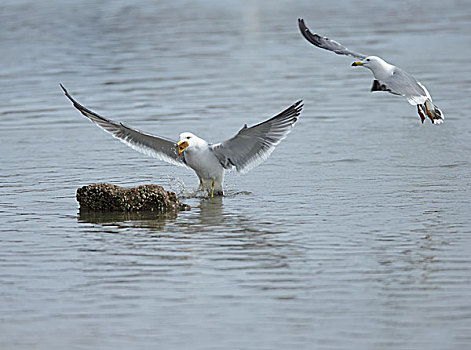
{"x":357,"y":63}
{"x":181,"y":146}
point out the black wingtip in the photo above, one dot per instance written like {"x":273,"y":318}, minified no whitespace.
{"x":303,"y":28}
{"x":65,"y":90}
{"x":68,"y":95}
{"x":298,"y":106}
{"x":298,"y":103}
{"x":313,"y":38}
{"x":75,"y":103}
{"x":302,"y":25}
{"x":71,"y":99}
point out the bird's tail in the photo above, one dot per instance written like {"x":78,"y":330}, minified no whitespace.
{"x":430,"y":110}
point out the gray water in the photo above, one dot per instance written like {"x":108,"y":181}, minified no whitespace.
{"x":354,"y":234}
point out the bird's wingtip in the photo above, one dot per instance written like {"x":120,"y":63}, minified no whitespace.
{"x":301,"y":24}
{"x":63,"y":88}
{"x":299,"y":104}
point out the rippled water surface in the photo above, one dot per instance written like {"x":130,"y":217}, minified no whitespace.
{"x":354,"y":234}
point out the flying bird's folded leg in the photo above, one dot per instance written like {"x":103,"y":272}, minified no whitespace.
{"x":430,"y":115}
{"x":420,"y":110}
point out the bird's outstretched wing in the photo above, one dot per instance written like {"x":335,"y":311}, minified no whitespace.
{"x":253,"y":145}
{"x":155,"y":146}
{"x":326,"y":43}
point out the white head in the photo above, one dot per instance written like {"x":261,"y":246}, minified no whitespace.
{"x":189,"y":141}
{"x":377,"y":65}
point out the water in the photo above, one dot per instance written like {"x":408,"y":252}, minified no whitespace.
{"x":354,"y":234}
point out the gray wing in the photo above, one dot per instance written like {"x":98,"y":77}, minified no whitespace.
{"x":325,"y":43}
{"x":148,"y":144}
{"x":402,"y":83}
{"x":253,"y":145}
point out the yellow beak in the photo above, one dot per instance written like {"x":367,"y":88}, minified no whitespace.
{"x":357,"y":63}
{"x":181,"y":146}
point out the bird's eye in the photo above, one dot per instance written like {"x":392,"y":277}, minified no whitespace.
{"x":368,"y":60}
{"x":188,"y":137}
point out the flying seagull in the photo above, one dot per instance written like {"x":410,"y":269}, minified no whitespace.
{"x":387,"y":77}
{"x":250,"y":147}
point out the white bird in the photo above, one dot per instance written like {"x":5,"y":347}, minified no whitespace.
{"x":250,"y":147}
{"x":387,"y":77}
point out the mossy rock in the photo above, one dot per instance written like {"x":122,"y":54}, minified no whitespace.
{"x":108,"y":197}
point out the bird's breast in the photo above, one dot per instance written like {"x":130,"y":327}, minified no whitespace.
{"x":204,"y":163}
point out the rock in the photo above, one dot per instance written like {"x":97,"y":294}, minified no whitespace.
{"x":108,"y":197}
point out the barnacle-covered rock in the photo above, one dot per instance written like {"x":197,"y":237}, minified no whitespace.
{"x":108,"y":197}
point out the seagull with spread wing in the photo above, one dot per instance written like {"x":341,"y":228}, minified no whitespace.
{"x":387,"y":77}
{"x":250,"y":147}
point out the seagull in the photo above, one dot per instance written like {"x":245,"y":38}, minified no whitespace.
{"x":387,"y":77}
{"x":247,"y":149}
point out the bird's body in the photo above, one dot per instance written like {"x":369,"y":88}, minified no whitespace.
{"x":387,"y":76}
{"x":394,"y":80}
{"x":247,"y":149}
{"x":204,"y":162}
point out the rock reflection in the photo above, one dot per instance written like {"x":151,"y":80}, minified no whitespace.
{"x":121,"y":219}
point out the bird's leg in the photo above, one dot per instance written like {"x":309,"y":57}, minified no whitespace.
{"x":429,"y":113}
{"x":212,"y":188}
{"x":421,"y":113}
